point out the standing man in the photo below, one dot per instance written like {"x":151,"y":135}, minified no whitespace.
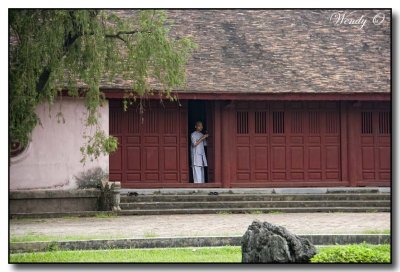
{"x":199,"y":160}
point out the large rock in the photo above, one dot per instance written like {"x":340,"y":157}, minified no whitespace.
{"x":268,"y":243}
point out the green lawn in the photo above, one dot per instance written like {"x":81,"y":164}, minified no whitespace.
{"x":386,"y":231}
{"x":201,"y":255}
{"x":227,"y":254}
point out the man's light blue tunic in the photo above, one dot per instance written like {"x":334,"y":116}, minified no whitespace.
{"x":198,"y":156}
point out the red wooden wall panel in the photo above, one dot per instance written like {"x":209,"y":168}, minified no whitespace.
{"x":256,"y":144}
{"x":152,"y":149}
{"x":293,"y":142}
{"x":374,"y":132}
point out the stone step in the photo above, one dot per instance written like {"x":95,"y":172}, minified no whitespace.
{"x":254,"y":197}
{"x":250,"y":204}
{"x":253,"y":210}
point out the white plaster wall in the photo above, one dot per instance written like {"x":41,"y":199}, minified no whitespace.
{"x":53,"y":157}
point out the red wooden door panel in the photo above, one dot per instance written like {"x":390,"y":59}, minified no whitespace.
{"x":242,"y":146}
{"x":279,"y":148}
{"x":375,"y":148}
{"x":153,"y":147}
{"x":291,"y":142}
{"x":115,"y":159}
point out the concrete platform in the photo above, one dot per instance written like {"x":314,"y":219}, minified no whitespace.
{"x":314,"y":190}
{"x":190,"y":225}
{"x":287,"y":200}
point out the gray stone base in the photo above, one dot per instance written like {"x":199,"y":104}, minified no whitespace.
{"x":316,"y":239}
{"x":53,"y":201}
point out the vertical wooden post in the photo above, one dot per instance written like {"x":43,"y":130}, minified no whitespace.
{"x":344,"y":142}
{"x":226,"y":146}
{"x":217,"y":142}
{"x":353,"y":127}
{"x":183,"y":143}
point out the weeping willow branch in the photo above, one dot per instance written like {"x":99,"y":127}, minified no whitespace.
{"x":55,"y":49}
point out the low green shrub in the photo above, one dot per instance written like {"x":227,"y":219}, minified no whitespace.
{"x":357,"y":253}
{"x":97,"y":178}
{"x":52,"y":246}
{"x":106,"y":199}
{"x":91,"y":178}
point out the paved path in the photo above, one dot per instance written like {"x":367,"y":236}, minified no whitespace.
{"x":198,"y":225}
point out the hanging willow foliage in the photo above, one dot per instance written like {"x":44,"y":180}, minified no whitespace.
{"x":52,"y":50}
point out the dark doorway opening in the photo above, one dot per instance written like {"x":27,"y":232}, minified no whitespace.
{"x":197,"y":112}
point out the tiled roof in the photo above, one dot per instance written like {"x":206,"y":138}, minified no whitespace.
{"x":282,"y":51}
{"x":275,"y":51}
